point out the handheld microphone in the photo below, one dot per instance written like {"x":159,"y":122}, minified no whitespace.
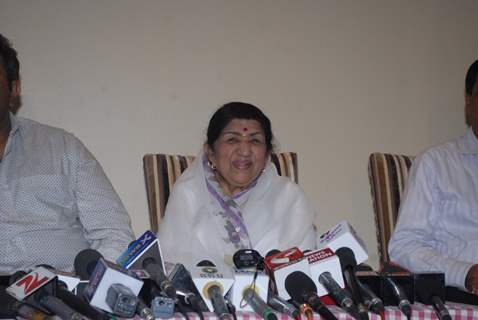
{"x":258,"y":305}
{"x":75,"y":302}
{"x":343,"y":235}
{"x":303,"y":290}
{"x":430,"y":289}
{"x":38,"y":288}
{"x":213,"y":283}
{"x":181,"y":279}
{"x":403,"y":303}
{"x":374,"y":304}
{"x":282,"y":306}
{"x":85,"y":262}
{"x":145,"y":253}
{"x":11,"y":308}
{"x":341,"y":296}
{"x":348,"y":263}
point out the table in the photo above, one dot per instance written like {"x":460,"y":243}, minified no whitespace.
{"x":420,"y":311}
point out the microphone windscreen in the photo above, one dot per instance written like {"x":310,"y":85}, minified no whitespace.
{"x":7,"y":306}
{"x":298,"y":284}
{"x":85,"y":262}
{"x":346,"y":257}
{"x":205,"y":263}
{"x":271,"y":252}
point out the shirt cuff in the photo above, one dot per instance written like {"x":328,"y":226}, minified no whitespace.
{"x":456,"y":274}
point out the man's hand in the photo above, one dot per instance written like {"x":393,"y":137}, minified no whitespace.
{"x":471,"y":282}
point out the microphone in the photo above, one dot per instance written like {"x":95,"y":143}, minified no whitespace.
{"x":372,"y":301}
{"x":430,"y":289}
{"x":38,"y":288}
{"x":75,"y":302}
{"x":303,"y":290}
{"x":403,"y":303}
{"x":258,"y":305}
{"x":213,"y":283}
{"x":343,"y":235}
{"x":282,"y":264}
{"x":348,"y":263}
{"x":341,"y":296}
{"x":145,"y":253}
{"x":103,"y":290}
{"x":181,"y":279}
{"x":281,"y":305}
{"x":85,"y":262}
{"x":11,"y":308}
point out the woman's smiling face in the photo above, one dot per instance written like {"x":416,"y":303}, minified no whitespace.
{"x":239,"y":154}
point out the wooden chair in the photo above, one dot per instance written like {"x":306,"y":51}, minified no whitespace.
{"x":388,"y":175}
{"x":162,"y":170}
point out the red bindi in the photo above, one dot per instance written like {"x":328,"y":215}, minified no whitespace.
{"x":245,"y":129}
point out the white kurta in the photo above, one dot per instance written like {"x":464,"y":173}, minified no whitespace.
{"x":277,"y":216}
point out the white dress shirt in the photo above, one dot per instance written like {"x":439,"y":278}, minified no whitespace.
{"x":437,"y":228}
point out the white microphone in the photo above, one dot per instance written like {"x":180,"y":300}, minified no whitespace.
{"x":213,"y":283}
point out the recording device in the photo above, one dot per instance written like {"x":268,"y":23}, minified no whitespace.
{"x":283,"y":306}
{"x":303,"y":290}
{"x":343,"y":235}
{"x":247,"y":259}
{"x":280,"y":265}
{"x":258,"y":305}
{"x":245,"y":279}
{"x":163,"y":307}
{"x":181,"y":279}
{"x":348,"y":263}
{"x":145,"y":253}
{"x":430,"y":290}
{"x":213,"y":282}
{"x":121,"y":300}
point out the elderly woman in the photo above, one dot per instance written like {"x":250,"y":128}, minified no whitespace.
{"x":232,"y":198}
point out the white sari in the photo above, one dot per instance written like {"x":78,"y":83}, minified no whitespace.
{"x":273,"y":211}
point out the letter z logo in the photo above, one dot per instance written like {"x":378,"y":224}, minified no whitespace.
{"x":30,"y":283}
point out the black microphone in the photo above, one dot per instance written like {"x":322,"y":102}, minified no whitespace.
{"x":181,"y":279}
{"x":85,"y":262}
{"x":281,"y":305}
{"x":10,"y":308}
{"x":403,"y":303}
{"x":303,"y":290}
{"x":157,"y":275}
{"x":340,"y":296}
{"x":373,"y":302}
{"x":258,"y":305}
{"x":76,"y":302}
{"x":430,"y":289}
{"x":348,"y":263}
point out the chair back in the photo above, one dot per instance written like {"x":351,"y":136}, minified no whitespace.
{"x":162,"y":170}
{"x":388,"y":174}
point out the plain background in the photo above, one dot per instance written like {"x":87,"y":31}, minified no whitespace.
{"x":338,"y":79}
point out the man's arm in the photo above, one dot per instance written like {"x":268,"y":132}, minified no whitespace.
{"x":106,"y":223}
{"x":415,"y":238}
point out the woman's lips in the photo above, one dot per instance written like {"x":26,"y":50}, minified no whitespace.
{"x":242,"y":164}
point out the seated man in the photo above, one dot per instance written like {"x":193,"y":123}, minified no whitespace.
{"x":437,"y":229}
{"x":55,"y":199}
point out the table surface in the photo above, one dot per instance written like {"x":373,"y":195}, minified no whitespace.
{"x":419,"y":312}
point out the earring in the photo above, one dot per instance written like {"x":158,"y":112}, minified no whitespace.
{"x":212,"y":165}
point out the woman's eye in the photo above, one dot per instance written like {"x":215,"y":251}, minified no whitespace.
{"x":257,"y":141}
{"x":231,"y":140}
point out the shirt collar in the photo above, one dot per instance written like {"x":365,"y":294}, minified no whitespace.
{"x":14,"y":124}
{"x":469,"y":143}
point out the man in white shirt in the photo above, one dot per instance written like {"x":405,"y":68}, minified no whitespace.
{"x":437,"y":228}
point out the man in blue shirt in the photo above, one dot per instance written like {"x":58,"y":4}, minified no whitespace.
{"x":55,"y":199}
{"x":437,"y":228}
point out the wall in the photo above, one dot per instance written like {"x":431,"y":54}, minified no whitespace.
{"x":339,"y":80}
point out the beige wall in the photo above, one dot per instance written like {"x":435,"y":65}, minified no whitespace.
{"x":339,"y":80}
